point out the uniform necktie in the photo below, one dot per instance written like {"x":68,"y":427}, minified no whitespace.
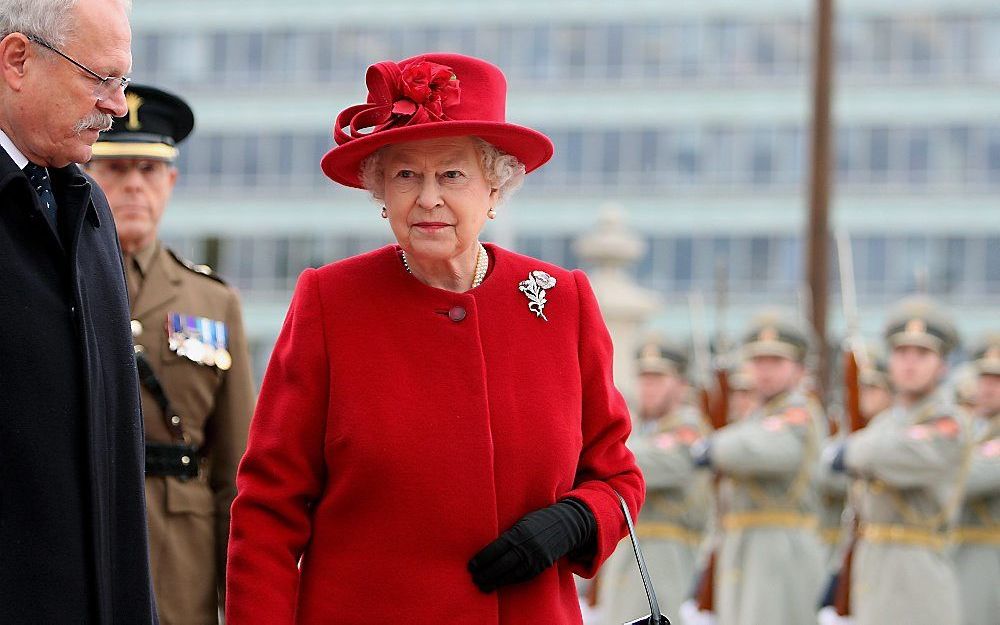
{"x":39,"y":178}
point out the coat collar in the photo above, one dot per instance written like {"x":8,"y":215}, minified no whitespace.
{"x":72,"y":187}
{"x":160,"y":284}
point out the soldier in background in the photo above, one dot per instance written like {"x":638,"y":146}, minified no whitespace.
{"x":909,"y":460}
{"x":875,"y":396}
{"x":770,"y":563}
{"x":743,"y":398}
{"x":876,"y":389}
{"x":194,"y":365}
{"x":977,"y":552}
{"x":673,"y":518}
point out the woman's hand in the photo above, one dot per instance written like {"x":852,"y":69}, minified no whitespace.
{"x":533,"y":544}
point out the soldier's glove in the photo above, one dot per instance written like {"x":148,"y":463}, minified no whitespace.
{"x":533,"y":544}
{"x":701,"y":453}
{"x":834,"y":457}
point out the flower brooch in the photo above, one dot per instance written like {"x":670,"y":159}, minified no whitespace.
{"x":534,"y":289}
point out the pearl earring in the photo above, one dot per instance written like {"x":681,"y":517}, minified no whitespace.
{"x":385,"y":213}
{"x":492,"y":214}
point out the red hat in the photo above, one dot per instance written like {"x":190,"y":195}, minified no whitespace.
{"x":425,"y":97}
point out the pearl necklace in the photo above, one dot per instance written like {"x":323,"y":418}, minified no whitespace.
{"x":482,"y":264}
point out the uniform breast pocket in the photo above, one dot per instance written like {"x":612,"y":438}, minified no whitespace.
{"x":191,"y":389}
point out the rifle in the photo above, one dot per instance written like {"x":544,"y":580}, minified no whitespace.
{"x":854,"y":359}
{"x":715,"y":407}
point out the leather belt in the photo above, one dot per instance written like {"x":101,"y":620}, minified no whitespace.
{"x":786,"y":519}
{"x":164,"y":460}
{"x":978,"y":536}
{"x":667,"y":531}
{"x":880,"y":534}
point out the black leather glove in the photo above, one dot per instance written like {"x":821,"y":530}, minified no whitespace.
{"x":533,"y":544}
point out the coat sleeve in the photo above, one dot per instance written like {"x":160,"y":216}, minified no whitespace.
{"x":907,"y":457}
{"x":606,"y":465}
{"x":282,"y":472}
{"x":227,"y":431}
{"x":665,"y":460}
{"x":773,"y":446}
{"x":984,"y":471}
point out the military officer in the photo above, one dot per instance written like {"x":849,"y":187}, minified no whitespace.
{"x":673,"y":518}
{"x":770,"y":562}
{"x":977,"y":550}
{"x":194,"y":368}
{"x":909,"y":462}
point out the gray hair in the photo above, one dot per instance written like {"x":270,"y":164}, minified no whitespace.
{"x":502,"y":171}
{"x":51,"y":20}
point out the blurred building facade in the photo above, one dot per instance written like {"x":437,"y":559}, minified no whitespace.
{"x":692,"y":116}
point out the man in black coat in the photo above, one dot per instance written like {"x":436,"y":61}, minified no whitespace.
{"x":73,"y":545}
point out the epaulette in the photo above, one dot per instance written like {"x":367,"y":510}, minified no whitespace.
{"x":203,"y":270}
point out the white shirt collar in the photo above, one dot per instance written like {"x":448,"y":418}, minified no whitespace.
{"x":19,"y":159}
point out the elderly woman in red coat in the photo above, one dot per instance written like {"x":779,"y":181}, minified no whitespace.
{"x":438,"y":437}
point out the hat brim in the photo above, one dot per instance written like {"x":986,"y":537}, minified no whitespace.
{"x":131,"y":149}
{"x":773,"y":348}
{"x":918,"y":339}
{"x":658,"y":366}
{"x":342,"y":164}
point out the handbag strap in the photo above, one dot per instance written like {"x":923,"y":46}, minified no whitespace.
{"x":655,"y":616}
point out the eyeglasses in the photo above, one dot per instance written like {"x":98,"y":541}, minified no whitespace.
{"x":106,"y":85}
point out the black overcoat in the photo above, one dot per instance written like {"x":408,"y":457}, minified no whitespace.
{"x":73,"y":545}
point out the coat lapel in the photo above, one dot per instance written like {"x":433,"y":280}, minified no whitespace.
{"x":14,"y":185}
{"x":160,"y":285}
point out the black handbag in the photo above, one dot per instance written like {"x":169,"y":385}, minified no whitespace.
{"x":654,"y":607}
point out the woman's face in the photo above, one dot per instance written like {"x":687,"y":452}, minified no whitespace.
{"x":436,"y":195}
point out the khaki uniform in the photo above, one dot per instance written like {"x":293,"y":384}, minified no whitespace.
{"x":977,"y":538}
{"x":670,"y":524}
{"x":831,"y":489}
{"x":189,"y":519}
{"x":771,"y":561}
{"x":910,"y":464}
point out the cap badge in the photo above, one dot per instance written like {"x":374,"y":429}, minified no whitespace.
{"x":916,"y":326}
{"x":650,"y":352}
{"x":768,"y":334}
{"x":134,"y":101}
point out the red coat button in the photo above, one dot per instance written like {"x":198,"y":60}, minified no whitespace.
{"x":456,"y":314}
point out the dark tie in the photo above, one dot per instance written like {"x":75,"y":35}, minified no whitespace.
{"x":40,"y":182}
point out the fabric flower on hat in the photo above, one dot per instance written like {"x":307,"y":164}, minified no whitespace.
{"x":415,"y":93}
{"x":430,"y":84}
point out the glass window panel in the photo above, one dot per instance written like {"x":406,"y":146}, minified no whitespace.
{"x":648,"y":151}
{"x":611,"y":156}
{"x":683,"y":262}
{"x":918,"y":155}
{"x":878,"y":154}
{"x":993,"y":264}
{"x":615,"y":47}
{"x":760,"y":258}
{"x":874,"y":271}
{"x":993,"y":156}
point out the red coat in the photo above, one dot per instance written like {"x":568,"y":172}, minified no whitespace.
{"x":392,"y":442}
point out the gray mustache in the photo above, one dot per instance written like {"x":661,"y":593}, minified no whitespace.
{"x":94,"y":121}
